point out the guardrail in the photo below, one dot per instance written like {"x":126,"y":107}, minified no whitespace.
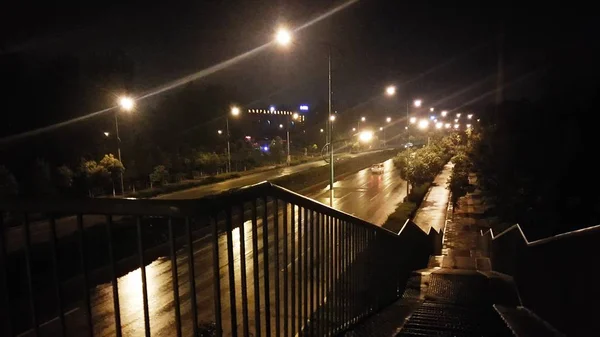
{"x":259,"y":260}
{"x":555,"y":276}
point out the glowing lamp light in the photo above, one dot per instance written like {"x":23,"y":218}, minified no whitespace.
{"x":456,"y":126}
{"x":423,"y":124}
{"x":365,"y":136}
{"x":126,"y":103}
{"x":304,"y":108}
{"x":391,"y":90}
{"x":413,"y":120}
{"x":447,"y":125}
{"x":444,"y":113}
{"x":295,"y":115}
{"x":439,"y":125}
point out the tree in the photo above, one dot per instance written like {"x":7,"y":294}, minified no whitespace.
{"x":8,"y":183}
{"x":160,"y":175}
{"x":94,"y":175}
{"x":276,"y":149}
{"x":114,"y":167}
{"x":41,"y":179}
{"x":64,"y":177}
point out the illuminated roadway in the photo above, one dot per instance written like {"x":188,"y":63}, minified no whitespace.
{"x":364,"y":194}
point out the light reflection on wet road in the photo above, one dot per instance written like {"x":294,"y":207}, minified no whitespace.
{"x":364,"y":194}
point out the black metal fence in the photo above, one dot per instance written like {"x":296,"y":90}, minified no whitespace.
{"x":256,"y":261}
{"x":555,"y":276}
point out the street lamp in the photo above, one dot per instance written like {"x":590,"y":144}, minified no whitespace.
{"x":294,"y":116}
{"x":469,"y":116}
{"x":439,"y":125}
{"x":353,"y":129}
{"x":389,"y":119}
{"x":417,"y":103}
{"x":283,"y":37}
{"x":332,"y":118}
{"x":413,"y":120}
{"x":431,"y":109}
{"x":365,"y":136}
{"x":126,"y":104}
{"x":391,"y":90}
{"x":321,"y":130}
{"x":423,"y":124}
{"x":220,"y":132}
{"x":235,"y":111}
{"x":106,"y":134}
{"x":444,"y":113}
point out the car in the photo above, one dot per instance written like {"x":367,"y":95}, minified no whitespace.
{"x":377,"y":168}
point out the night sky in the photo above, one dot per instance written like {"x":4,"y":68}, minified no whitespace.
{"x":444,"y":53}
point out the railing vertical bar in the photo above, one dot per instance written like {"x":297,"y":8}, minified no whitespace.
{"x":293,"y":266}
{"x":285,"y":270}
{"x":325,"y":273}
{"x":113,"y":269}
{"x":191,"y":275}
{"x":355,"y":272}
{"x":276,"y":248}
{"x":265,"y":221}
{"x":255,"y":269}
{"x":314,"y":266}
{"x":311,"y":234}
{"x":143,"y":272}
{"x":242,"y":239}
{"x":317,"y":268}
{"x":339,"y":285}
{"x":216,"y":276}
{"x":4,"y":264}
{"x":306,"y":272}
{"x":343,"y":274}
{"x":348,"y":274}
{"x":330,"y":275}
{"x":83,"y":264}
{"x":363,"y":272}
{"x":231,"y":271}
{"x":174,"y":277}
{"x":55,"y":272}
{"x":320,"y":269}
{"x":32,"y":306}
{"x":300,"y":259}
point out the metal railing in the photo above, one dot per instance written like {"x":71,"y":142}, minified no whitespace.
{"x":555,"y":276}
{"x":260,"y":260}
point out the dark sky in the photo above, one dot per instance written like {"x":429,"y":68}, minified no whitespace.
{"x":445,"y":53}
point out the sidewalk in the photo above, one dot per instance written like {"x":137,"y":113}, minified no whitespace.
{"x":432,"y":212}
{"x":458,"y":293}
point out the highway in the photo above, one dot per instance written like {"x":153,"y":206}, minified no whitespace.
{"x":40,"y":232}
{"x":363,"y":194}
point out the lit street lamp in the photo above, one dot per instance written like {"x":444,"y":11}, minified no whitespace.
{"x":423,"y":124}
{"x":391,"y":90}
{"x":235,"y":111}
{"x":106,"y":134}
{"x":418,"y":103}
{"x":126,"y":104}
{"x":413,"y":120}
{"x":444,"y":113}
{"x":283,"y":37}
{"x":389,"y":119}
{"x":321,"y":130}
{"x":220,"y":132}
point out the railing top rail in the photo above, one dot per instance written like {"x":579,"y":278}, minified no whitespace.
{"x":561,"y":236}
{"x":176,"y":208}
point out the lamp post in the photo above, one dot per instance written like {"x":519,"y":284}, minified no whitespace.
{"x":294,"y":116}
{"x":126,"y":104}
{"x":391,"y":91}
{"x":235,"y":111}
{"x":283,"y":37}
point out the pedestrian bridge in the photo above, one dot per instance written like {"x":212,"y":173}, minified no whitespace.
{"x":262,"y":260}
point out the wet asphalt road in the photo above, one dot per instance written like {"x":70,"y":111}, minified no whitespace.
{"x":368,"y":196}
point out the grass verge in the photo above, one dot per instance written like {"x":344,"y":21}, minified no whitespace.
{"x":406,"y":209}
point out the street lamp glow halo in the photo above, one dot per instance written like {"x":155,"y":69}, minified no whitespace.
{"x":283,"y":37}
{"x":235,"y":111}
{"x":126,"y":103}
{"x":391,"y":90}
{"x":365,"y":136}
